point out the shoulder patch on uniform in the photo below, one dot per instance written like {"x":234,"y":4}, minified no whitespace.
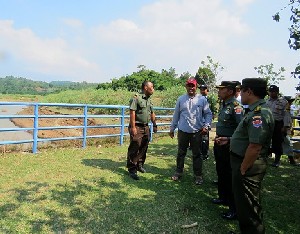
{"x":257,"y":121}
{"x":136,"y":95}
{"x":238,"y":110}
{"x":257,"y":109}
{"x":228,"y":110}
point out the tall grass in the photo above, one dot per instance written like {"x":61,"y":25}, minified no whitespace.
{"x":165,"y":98}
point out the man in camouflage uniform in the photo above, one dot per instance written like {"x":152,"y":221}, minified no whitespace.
{"x":230,"y":114}
{"x":249,"y":147}
{"x":141,"y":112}
{"x":278,"y":106}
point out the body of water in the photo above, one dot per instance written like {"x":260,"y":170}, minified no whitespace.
{"x":6,"y":123}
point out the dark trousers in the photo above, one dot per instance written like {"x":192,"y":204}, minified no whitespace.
{"x":205,"y":144}
{"x":194,"y":141}
{"x":277,"y":139}
{"x":246,"y":190}
{"x":137,"y":149}
{"x":223,"y":168}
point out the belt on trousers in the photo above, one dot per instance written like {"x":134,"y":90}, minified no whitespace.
{"x":141,"y":125}
{"x":235,"y":155}
{"x":240,"y":157}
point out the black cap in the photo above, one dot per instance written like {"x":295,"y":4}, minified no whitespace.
{"x":238,"y":84}
{"x":273,"y":88}
{"x":254,"y":83}
{"x":227,"y":84}
{"x":203,"y":86}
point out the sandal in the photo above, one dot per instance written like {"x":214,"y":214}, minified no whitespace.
{"x":198,"y":180}
{"x":176,"y":176}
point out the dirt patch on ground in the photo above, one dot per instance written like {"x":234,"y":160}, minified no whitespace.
{"x":75,"y":132}
{"x":62,"y":122}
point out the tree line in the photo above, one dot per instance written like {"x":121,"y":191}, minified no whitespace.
{"x":163,"y":80}
{"x":19,"y":85}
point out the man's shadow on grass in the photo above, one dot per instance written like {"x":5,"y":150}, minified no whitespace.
{"x":190,"y":197}
{"x":103,"y":204}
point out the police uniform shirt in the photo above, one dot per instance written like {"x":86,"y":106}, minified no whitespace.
{"x":278,"y":107}
{"x":229,"y":117}
{"x":143,"y":108}
{"x":256,"y":127}
{"x":288,"y":122}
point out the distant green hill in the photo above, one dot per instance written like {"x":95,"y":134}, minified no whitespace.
{"x":19,"y":85}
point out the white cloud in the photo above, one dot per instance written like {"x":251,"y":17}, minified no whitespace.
{"x":168,"y":23}
{"x":2,"y":55}
{"x":243,"y":3}
{"x":173,"y":33}
{"x":163,"y":34}
{"x":73,"y":23}
{"x":118,"y":31}
{"x":46,"y":56}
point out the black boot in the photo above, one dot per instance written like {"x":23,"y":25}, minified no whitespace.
{"x":276,"y":163}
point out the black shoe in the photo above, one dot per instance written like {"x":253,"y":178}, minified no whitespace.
{"x":219,"y":201}
{"x":134,"y":176}
{"x":205,"y":157}
{"x":141,"y":169}
{"x":230,"y":215}
{"x":198,"y":180}
{"x":275,"y":164}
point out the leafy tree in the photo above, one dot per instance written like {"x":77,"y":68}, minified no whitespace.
{"x":162,"y":81}
{"x":183,"y":77}
{"x":267,"y":72}
{"x":208,"y":73}
{"x":294,"y":39}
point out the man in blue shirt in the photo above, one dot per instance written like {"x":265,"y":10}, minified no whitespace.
{"x":190,"y":110}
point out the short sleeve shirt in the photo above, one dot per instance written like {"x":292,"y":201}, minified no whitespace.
{"x":256,"y":127}
{"x":143,"y":108}
{"x":278,"y":107}
{"x":230,"y":115}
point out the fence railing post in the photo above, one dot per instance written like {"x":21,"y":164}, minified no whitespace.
{"x":38,"y":126}
{"x":151,"y":131}
{"x":122,"y":125}
{"x":35,"y":128}
{"x":84,"y":131}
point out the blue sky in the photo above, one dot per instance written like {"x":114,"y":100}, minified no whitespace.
{"x":97,"y":40}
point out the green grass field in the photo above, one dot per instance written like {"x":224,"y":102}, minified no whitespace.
{"x":89,"y":191}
